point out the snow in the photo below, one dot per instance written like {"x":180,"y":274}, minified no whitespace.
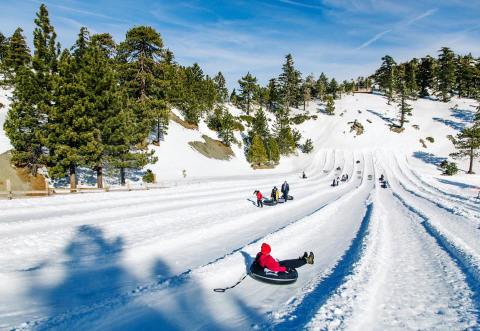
{"x":402,"y":257}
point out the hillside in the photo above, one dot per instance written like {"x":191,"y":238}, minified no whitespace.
{"x":404,"y":256}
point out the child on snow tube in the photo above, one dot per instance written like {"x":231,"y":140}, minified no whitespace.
{"x":265,"y":260}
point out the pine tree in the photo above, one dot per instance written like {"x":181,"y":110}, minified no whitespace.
{"x":403,"y":93}
{"x":220,"y":87}
{"x":411,"y":69}
{"x":283,"y":134}
{"x":290,"y":84}
{"x":257,"y":154}
{"x":23,"y":125}
{"x":330,"y":107}
{"x":333,"y":88}
{"x":3,"y":48}
{"x":446,"y":73}
{"x":33,"y":97}
{"x":385,"y":76}
{"x":72,"y":140}
{"x":260,"y":126}
{"x":17,"y":54}
{"x":467,"y":143}
{"x":273,"y":151}
{"x":226,"y":128}
{"x":465,"y":73}
{"x":138,"y":55}
{"x":273,"y":95}
{"x":248,"y":85}
{"x":193,"y":103}
{"x":321,"y":86}
{"x":426,"y":75}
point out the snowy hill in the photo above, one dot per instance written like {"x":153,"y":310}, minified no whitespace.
{"x":402,"y":257}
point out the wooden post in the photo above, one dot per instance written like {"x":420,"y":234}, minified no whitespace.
{"x":9,"y":189}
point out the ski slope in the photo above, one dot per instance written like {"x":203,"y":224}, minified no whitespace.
{"x":402,"y":257}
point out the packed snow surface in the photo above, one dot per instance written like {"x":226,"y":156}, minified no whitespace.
{"x":401,"y":257}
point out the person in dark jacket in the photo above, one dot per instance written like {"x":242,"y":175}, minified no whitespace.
{"x":259,"y":198}
{"x":265,"y":260}
{"x":303,"y":175}
{"x":285,"y":189}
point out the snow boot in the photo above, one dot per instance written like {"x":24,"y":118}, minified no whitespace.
{"x":310,"y":258}
{"x":305,"y":255}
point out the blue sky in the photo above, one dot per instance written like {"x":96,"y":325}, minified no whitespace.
{"x":343,"y":38}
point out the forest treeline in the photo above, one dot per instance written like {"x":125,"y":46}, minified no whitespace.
{"x":99,"y":104}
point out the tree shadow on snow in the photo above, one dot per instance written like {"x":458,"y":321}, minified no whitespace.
{"x":389,"y":120}
{"x":465,"y":115}
{"x":97,"y":290}
{"x":458,"y":184}
{"x":429,"y":158}
{"x":454,"y":125}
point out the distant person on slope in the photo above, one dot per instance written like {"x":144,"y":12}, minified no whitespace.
{"x":265,"y":260}
{"x":274,"y":194}
{"x":285,"y":189}
{"x":303,"y":175}
{"x":259,"y":198}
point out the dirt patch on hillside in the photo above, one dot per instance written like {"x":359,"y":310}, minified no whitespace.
{"x":173,"y":117}
{"x":20,"y":179}
{"x":213,"y":149}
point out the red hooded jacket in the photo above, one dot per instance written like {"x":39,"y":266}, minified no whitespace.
{"x":259,"y":195}
{"x":267,"y":261}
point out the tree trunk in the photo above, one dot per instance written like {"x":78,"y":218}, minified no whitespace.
{"x":158,"y":131}
{"x":470,"y":167}
{"x":122,"y":176}
{"x":73,"y":178}
{"x":100,"y":177}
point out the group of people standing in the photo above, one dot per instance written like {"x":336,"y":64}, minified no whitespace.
{"x":275,"y":195}
{"x":336,"y":181}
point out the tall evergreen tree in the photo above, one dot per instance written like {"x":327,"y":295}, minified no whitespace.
{"x":248,"y":85}
{"x":17,"y":53}
{"x":321,"y":86}
{"x":220,"y":87}
{"x":3,"y":47}
{"x":290,"y":84}
{"x":33,"y":97}
{"x":426,"y":75}
{"x":72,"y":138}
{"x":257,"y":154}
{"x":411,"y":69}
{"x":385,"y":76}
{"x":226,"y":128}
{"x":138,"y":55}
{"x":467,"y":144}
{"x":273,"y":95}
{"x":260,"y":126}
{"x":330,"y":107}
{"x":446,"y":73}
{"x":333,"y":88}
{"x":404,"y":108}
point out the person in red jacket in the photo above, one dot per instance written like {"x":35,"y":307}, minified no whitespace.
{"x":259,"y":198}
{"x":265,"y":260}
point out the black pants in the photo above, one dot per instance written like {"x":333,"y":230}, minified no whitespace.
{"x":259,"y":203}
{"x":294,"y":263}
{"x":285,"y":196}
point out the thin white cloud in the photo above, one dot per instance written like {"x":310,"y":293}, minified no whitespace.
{"x":373,"y":39}
{"x":422,"y":16}
{"x":417,"y":18}
{"x":300,"y":4}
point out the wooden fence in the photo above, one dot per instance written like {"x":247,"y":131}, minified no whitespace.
{"x":49,"y":191}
